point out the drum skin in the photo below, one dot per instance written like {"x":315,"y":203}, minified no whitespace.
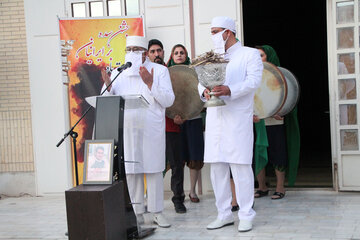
{"x":271,"y":95}
{"x":187,"y":102}
{"x":293,"y":92}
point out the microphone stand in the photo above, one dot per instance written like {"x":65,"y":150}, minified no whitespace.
{"x":74,"y":134}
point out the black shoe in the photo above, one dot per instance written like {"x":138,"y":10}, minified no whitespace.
{"x":259,"y":193}
{"x":180,"y":207}
{"x":235,"y":208}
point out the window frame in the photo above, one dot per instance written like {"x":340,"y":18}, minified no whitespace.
{"x":123,"y":10}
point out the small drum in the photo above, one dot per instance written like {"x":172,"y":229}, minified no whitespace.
{"x":187,"y":102}
{"x":293,"y":92}
{"x":271,"y":95}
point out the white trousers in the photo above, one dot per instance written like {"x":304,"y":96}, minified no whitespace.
{"x":244,"y":187}
{"x":155,"y":192}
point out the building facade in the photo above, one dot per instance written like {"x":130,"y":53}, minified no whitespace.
{"x":33,"y":98}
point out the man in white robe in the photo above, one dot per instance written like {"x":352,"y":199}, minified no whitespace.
{"x":144,"y":129}
{"x":229,"y":128}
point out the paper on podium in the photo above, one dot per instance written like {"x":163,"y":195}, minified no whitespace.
{"x":132,"y":101}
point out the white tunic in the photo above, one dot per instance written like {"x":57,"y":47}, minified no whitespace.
{"x":145,"y":144}
{"x":229,"y":128}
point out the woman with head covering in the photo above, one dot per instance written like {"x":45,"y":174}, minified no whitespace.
{"x":271,"y":135}
{"x":179,"y":55}
{"x":191,"y":131}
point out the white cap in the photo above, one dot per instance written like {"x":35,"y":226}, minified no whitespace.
{"x":137,"y":41}
{"x":224,"y":22}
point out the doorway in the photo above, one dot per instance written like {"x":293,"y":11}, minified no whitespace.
{"x":297,"y":32}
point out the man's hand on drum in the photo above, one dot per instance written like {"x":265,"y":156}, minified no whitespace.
{"x":178,"y":120}
{"x":277,"y":117}
{"x":256,"y":119}
{"x":221,"y":90}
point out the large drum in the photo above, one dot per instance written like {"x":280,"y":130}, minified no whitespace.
{"x":271,"y":94}
{"x":293,"y":92}
{"x":278,"y":93}
{"x":187,"y":102}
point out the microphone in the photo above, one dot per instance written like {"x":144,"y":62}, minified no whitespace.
{"x":124,"y":66}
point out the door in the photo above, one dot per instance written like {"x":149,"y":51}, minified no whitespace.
{"x":344,"y":49}
{"x":300,"y":41}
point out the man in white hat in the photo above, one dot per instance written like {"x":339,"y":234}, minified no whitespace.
{"x":144,"y":130}
{"x":229,"y":128}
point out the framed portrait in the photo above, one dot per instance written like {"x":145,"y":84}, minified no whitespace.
{"x":98,"y":162}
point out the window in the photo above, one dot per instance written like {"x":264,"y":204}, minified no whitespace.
{"x":114,"y":8}
{"x":96,"y":9}
{"x":78,"y":9}
{"x":100,"y":8}
{"x":132,"y":7}
{"x":347,"y":50}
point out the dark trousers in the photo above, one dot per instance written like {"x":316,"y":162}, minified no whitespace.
{"x":173,"y":149}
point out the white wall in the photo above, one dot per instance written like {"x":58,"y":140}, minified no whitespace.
{"x":204,"y":12}
{"x":17,"y":183}
{"x":52,"y":164}
{"x":168,"y":21}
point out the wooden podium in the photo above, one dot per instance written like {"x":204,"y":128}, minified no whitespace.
{"x":104,"y":212}
{"x":97,"y":212}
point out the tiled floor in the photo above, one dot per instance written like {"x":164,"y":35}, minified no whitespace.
{"x":311,"y":214}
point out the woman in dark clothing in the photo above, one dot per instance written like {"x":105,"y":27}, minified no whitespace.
{"x":191,"y":131}
{"x":277,"y":142}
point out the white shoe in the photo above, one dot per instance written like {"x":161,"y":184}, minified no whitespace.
{"x":219,"y":224}
{"x":160,"y":220}
{"x":244,"y":226}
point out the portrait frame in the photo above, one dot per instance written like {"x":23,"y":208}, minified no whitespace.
{"x":98,"y":162}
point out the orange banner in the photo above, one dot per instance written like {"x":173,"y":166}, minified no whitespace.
{"x":87,"y":46}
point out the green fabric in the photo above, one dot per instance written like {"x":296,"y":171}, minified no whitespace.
{"x":271,"y":55}
{"x":261,"y":144}
{"x":172,"y":63}
{"x":293,"y":145}
{"x":292,"y":134}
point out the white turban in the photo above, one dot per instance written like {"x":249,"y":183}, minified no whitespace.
{"x":136,"y":41}
{"x":224,"y":22}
